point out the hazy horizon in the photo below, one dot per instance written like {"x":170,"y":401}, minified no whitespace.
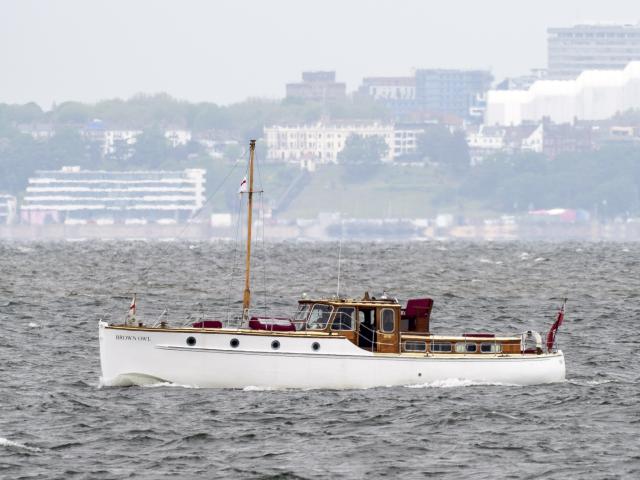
{"x":225,"y":52}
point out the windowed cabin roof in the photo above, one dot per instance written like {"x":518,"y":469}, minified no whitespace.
{"x":352,"y":302}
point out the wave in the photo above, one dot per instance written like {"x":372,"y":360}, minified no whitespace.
{"x":455,"y":383}
{"x":589,"y":383}
{"x":254,"y":388}
{"x":167,"y":384}
{"x":4,"y":442}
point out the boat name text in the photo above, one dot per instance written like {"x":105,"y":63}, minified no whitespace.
{"x":134,"y":338}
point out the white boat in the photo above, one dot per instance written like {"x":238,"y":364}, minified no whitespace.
{"x":332,"y":343}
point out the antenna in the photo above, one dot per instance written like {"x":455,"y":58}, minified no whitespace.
{"x":339,"y":258}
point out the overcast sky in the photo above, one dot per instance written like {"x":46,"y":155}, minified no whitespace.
{"x":224,"y":51}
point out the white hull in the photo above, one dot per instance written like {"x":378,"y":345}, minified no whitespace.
{"x":140,"y":356}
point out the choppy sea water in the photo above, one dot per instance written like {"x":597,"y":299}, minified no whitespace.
{"x":57,"y":422}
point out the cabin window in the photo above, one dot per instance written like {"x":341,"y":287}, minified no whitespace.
{"x":388,"y":324}
{"x":441,"y":347}
{"x":344,"y":319}
{"x":490,"y":348}
{"x":300,"y":317}
{"x":319,"y":317}
{"x":415,"y":346}
{"x":466,"y":348}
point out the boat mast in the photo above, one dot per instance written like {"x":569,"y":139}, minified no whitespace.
{"x":246,"y":298}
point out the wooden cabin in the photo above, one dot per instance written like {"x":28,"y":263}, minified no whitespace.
{"x":383,"y":326}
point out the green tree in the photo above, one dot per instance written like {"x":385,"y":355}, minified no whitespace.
{"x":359,"y":150}
{"x":361,"y":156}
{"x":151,"y":149}
{"x":442,"y":147}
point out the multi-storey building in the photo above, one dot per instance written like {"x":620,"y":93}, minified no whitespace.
{"x":320,"y":142}
{"x":72,"y":195}
{"x":456,"y":92}
{"x":396,"y":93}
{"x":572,"y":50}
{"x":318,"y":87}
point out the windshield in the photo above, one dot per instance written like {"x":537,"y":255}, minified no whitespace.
{"x":300,"y":317}
{"x":319,"y":317}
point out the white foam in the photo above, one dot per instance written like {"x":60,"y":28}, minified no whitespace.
{"x":254,"y":388}
{"x":167,"y":384}
{"x":4,"y":442}
{"x":453,"y":383}
{"x":33,"y":325}
{"x":590,"y":383}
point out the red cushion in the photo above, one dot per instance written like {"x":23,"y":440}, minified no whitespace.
{"x":272,"y":324}
{"x":208,"y":324}
{"x":418,"y":307}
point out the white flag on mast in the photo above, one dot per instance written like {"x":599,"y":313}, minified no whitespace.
{"x":132,"y":310}
{"x":243,"y":186}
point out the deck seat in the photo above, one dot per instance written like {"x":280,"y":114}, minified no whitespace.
{"x":272,"y":324}
{"x":415,"y":316}
{"x":207,"y":324}
{"x":418,"y":307}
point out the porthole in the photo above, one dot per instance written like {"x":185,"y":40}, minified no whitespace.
{"x":275,"y":344}
{"x":191,"y":341}
{"x":315,"y":346}
{"x":234,"y":343}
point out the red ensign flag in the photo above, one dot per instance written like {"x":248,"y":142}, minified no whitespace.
{"x":551,"y":336}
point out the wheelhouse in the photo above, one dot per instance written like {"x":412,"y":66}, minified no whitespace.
{"x":384,"y":326}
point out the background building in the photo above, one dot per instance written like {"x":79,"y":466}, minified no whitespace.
{"x":109,"y":139}
{"x":594,"y":95}
{"x":455,"y":92}
{"x":72,"y":195}
{"x":320,"y":142}
{"x":317,"y":87}
{"x":398,"y":94}
{"x":572,"y":50}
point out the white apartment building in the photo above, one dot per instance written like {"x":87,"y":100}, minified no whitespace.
{"x":73,"y":195}
{"x":321,"y":142}
{"x":486,"y":141}
{"x":113,"y":137}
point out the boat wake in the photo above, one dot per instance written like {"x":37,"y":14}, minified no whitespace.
{"x":589,"y":383}
{"x":4,"y":442}
{"x":455,"y":383}
{"x":253,"y":388}
{"x":167,"y":384}
{"x":132,"y":379}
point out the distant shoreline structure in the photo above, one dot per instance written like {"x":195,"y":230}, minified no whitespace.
{"x":591,"y":231}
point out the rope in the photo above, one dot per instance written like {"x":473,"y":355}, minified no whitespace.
{"x":237,"y":239}
{"x":208,"y":199}
{"x":264,"y":248}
